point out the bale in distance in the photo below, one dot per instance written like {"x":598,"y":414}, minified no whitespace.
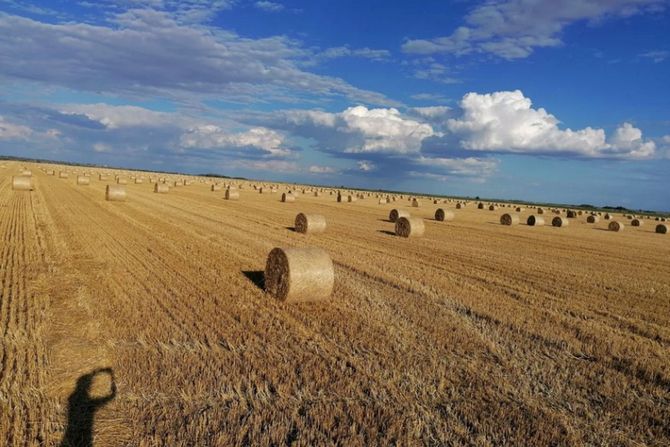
{"x":351,"y":198}
{"x":480,"y":206}
{"x":535,"y":221}
{"x":22,"y":183}
{"x":540,"y":211}
{"x":607,"y":216}
{"x":63,"y":174}
{"x":395,"y":214}
{"x":615,"y":226}
{"x":216,"y":188}
{"x":592,"y":219}
{"x":492,"y":207}
{"x":409,"y":227}
{"x":51,"y":172}
{"x":637,"y":222}
{"x":287,"y":197}
{"x":317,"y":193}
{"x":460,"y":205}
{"x":415,"y":203}
{"x":26,"y":173}
{"x":121,"y":181}
{"x":299,"y":274}
{"x":83,"y":180}
{"x":509,"y":219}
{"x":442,"y":215}
{"x":571,"y":214}
{"x":139,"y":181}
{"x":662,"y":229}
{"x":232,"y":194}
{"x":115,"y":193}
{"x":559,"y":221}
{"x":310,"y":223}
{"x":519,"y":209}
{"x":161,"y":188}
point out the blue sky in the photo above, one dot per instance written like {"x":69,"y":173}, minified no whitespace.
{"x":561,"y":101}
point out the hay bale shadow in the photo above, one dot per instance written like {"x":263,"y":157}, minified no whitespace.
{"x":386,"y":232}
{"x":291,"y":229}
{"x":256,"y":276}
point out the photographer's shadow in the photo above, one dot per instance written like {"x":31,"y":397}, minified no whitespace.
{"x":82,"y":407}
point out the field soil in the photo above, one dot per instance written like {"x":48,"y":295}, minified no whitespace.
{"x":145,"y":323}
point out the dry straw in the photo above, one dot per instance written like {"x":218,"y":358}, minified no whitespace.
{"x":83,"y":180}
{"x":540,"y":211}
{"x":615,"y":226}
{"x":492,"y":207}
{"x":592,"y":219}
{"x":409,"y":227}
{"x":519,"y":209}
{"x":460,"y":205}
{"x":607,"y":216}
{"x":232,"y":194}
{"x":637,"y":222}
{"x":509,"y":219}
{"x":310,"y":223}
{"x":535,"y":221}
{"x":26,"y":173}
{"x":139,"y":181}
{"x":216,"y":187}
{"x":395,"y":214}
{"x":480,"y":206}
{"x":115,"y":193}
{"x":416,"y":203}
{"x":287,"y":197}
{"x":121,"y":181}
{"x":63,"y":174}
{"x":572,"y":214}
{"x":351,"y":198}
{"x":559,"y":221}
{"x":22,"y":183}
{"x":161,"y":188}
{"x":299,"y":274}
{"x":661,"y":229}
{"x":442,"y":215}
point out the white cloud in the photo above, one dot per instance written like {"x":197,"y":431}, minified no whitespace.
{"x":269,"y":6}
{"x":210,"y":136}
{"x":268,"y":165}
{"x":114,"y":117}
{"x":101,"y":148}
{"x":12,"y":131}
{"x":432,"y":112}
{"x":314,"y":169}
{"x":467,"y":167}
{"x":507,"y":122}
{"x":344,"y":51}
{"x":656,"y":56}
{"x":366,"y":166}
{"x":512,"y":29}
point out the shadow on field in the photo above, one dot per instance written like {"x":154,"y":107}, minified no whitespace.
{"x":391,"y":233}
{"x":81,"y":408}
{"x":290,"y":228}
{"x":384,"y":220}
{"x":256,"y":276}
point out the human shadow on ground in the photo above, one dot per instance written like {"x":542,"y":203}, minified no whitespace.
{"x":256,"y":276}
{"x":81,"y":408}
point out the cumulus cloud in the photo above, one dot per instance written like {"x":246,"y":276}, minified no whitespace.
{"x":269,"y":6}
{"x":114,"y":117}
{"x":345,"y":51}
{"x":656,"y":56}
{"x":147,"y":53}
{"x":366,"y":166}
{"x":12,"y":131}
{"x":507,"y":122}
{"x":466,"y":167}
{"x":314,"y":169}
{"x":210,"y":136}
{"x":512,"y":29}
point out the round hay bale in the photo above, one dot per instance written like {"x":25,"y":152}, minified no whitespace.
{"x":442,"y":215}
{"x":22,"y":183}
{"x":592,"y":219}
{"x":572,"y":214}
{"x":383,"y":201}
{"x":115,"y":193}
{"x":607,"y":216}
{"x":83,"y":180}
{"x":460,"y":205}
{"x":480,"y":206}
{"x":232,"y":194}
{"x":415,"y":203}
{"x":559,"y":221}
{"x":492,"y":207}
{"x":509,"y":219}
{"x":299,"y":274}
{"x":395,"y":214}
{"x":310,"y":223}
{"x":662,"y":229}
{"x":519,"y":209}
{"x":51,"y":172}
{"x":216,"y":188}
{"x":535,"y":221}
{"x":63,"y":174}
{"x":351,"y":198}
{"x":637,"y":222}
{"x":26,"y":173}
{"x":161,"y":188}
{"x":287,"y":197}
{"x":139,"y":181}
{"x":121,"y":181}
{"x":615,"y":226}
{"x":409,"y":227}
{"x":540,"y":211}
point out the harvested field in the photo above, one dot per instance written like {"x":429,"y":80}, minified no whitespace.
{"x":564,"y":339}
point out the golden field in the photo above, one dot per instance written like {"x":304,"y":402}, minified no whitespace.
{"x":144,"y":323}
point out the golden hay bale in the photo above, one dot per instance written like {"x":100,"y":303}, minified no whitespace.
{"x":232,"y":194}
{"x":161,"y":188}
{"x":121,"y":181}
{"x":509,"y":219}
{"x":299,"y":274}
{"x":480,"y":206}
{"x":317,"y":193}
{"x":535,"y":221}
{"x":540,"y":211}
{"x":592,"y":219}
{"x":22,"y":183}
{"x":442,"y":215}
{"x":216,"y":188}
{"x":662,"y":229}
{"x":409,"y":227}
{"x":571,"y":214}
{"x":519,"y":209}
{"x":83,"y":180}
{"x":637,"y":222}
{"x":615,"y":226}
{"x":559,"y":221}
{"x":63,"y":174}
{"x":310,"y":223}
{"x":287,"y":197}
{"x":26,"y":173}
{"x":395,"y":214}
{"x":103,"y":178}
{"x":460,"y":205}
{"x":383,"y":201}
{"x":492,"y":207}
{"x":139,"y":181}
{"x":416,"y":203}
{"x":51,"y":172}
{"x":607,"y":216}
{"x":177,"y":183}
{"x":351,"y":198}
{"x":115,"y":193}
